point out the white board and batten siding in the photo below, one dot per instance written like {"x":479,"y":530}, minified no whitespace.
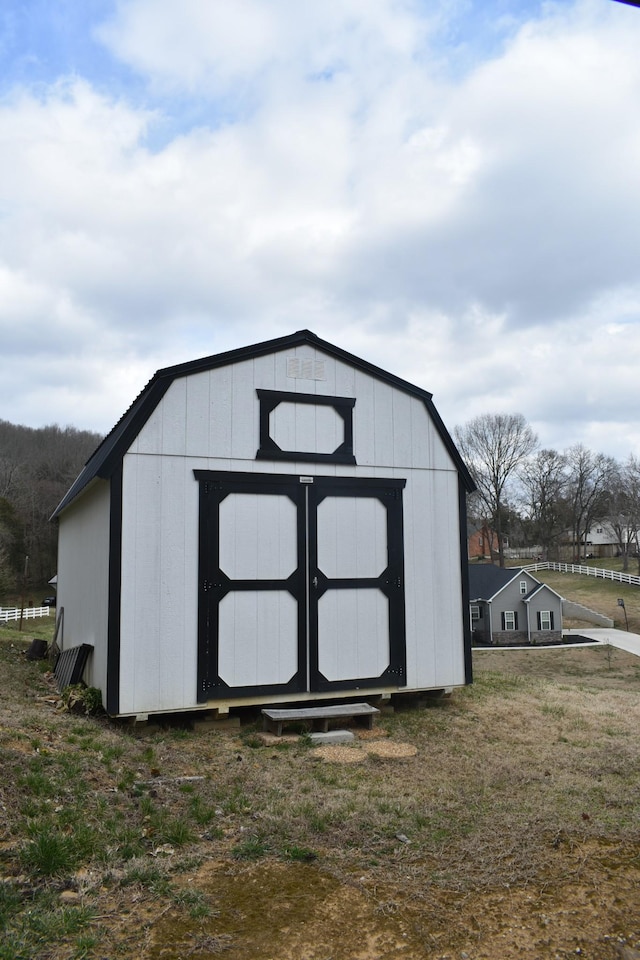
{"x":83,"y":578}
{"x":209,"y":420}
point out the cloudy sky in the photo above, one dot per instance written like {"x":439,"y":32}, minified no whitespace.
{"x":448,"y":188}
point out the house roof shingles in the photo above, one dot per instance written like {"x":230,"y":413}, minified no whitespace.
{"x":485,"y":579}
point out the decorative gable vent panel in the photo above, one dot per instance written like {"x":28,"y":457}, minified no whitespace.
{"x":299,"y":369}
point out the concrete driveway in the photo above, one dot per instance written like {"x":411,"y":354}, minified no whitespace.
{"x":617,"y":638}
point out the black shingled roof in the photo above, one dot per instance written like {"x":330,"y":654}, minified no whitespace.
{"x":485,"y":579}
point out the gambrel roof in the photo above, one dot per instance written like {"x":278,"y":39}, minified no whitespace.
{"x":107,"y":458}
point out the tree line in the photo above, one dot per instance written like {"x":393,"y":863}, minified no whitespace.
{"x":543,"y":498}
{"x":37,"y":467}
{"x":530,"y":496}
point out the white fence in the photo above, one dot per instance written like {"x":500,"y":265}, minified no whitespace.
{"x":28,"y":613}
{"x":586,"y":571}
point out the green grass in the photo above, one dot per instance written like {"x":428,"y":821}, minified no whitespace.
{"x":252,"y":848}
{"x":195,"y":902}
{"x":149,"y":876}
{"x":301,"y":854}
{"x":47,"y":852}
{"x":48,"y":923}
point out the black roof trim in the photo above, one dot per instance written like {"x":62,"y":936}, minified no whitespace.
{"x":108,"y":455}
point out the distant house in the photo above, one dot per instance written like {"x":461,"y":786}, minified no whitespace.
{"x":510,"y":606}
{"x":603,"y":541}
{"x":600,"y":541}
{"x":482,"y":541}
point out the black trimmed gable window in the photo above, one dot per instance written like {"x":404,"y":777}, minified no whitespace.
{"x":322,"y":433}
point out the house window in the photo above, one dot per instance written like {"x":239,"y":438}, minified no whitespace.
{"x":545,"y":620}
{"x":523,"y":587}
{"x":475,"y":613}
{"x":510,"y":620}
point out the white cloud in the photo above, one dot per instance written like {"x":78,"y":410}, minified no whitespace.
{"x":474,"y":231}
{"x":216,"y":47}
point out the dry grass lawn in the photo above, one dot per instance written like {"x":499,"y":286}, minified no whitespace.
{"x":505,"y":825}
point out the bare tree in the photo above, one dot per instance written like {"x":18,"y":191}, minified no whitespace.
{"x":544,"y":481}
{"x":494,"y":446}
{"x":37,"y":466}
{"x":624,"y":507}
{"x":591,"y":477}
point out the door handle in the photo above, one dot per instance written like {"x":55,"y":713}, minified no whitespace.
{"x":314,"y":583}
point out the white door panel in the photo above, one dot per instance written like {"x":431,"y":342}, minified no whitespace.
{"x":353,"y":634}
{"x":352,"y":537}
{"x":258,"y":638}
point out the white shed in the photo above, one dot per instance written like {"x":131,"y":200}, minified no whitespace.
{"x":280,"y":523}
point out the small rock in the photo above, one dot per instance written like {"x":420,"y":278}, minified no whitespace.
{"x":331,"y":736}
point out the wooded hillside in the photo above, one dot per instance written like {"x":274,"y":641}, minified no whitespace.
{"x":37,"y":466}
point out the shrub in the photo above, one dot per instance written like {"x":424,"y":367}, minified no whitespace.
{"x":78,"y":698}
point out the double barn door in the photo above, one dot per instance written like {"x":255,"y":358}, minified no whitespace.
{"x":301,"y":584}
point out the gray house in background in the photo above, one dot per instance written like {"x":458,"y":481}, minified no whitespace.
{"x":510,"y":606}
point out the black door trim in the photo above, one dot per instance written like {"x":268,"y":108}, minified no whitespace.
{"x":390,"y":581}
{"x":214,"y":584}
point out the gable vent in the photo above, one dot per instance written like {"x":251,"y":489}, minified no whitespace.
{"x":300,"y":369}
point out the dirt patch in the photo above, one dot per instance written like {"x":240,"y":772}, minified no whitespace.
{"x":358,"y":753}
{"x":272,"y":911}
{"x":282,"y":912}
{"x":336,"y":753}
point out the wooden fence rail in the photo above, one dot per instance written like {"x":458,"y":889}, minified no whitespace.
{"x":28,"y":613}
{"x":616,"y":575}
